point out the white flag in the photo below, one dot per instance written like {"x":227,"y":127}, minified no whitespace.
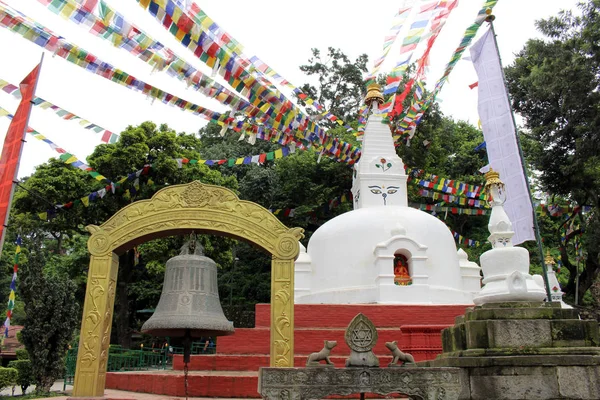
{"x":500,"y":136}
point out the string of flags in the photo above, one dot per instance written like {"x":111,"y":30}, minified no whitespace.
{"x":439,"y":11}
{"x":133,"y":177}
{"x":453,"y":199}
{"x":330,"y":205}
{"x":466,"y":241}
{"x":305,"y":130}
{"x":114,"y":27}
{"x":13,"y":286}
{"x":419,"y":107}
{"x":447,"y":186}
{"x":219,"y":50}
{"x":255,"y":159}
{"x":399,"y":20}
{"x":106,"y":135}
{"x":213,"y":46}
{"x":555,"y":210}
{"x":65,"y":156}
{"x":437,"y":208}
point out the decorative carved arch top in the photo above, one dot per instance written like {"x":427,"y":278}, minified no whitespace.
{"x":194,"y":206}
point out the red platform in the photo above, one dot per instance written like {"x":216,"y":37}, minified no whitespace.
{"x":232,"y":372}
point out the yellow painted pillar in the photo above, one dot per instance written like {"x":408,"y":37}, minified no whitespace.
{"x":96,"y":324}
{"x":282,"y":313}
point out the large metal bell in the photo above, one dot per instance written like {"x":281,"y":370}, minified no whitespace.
{"x":189,"y":304}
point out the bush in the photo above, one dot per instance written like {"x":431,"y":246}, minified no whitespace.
{"x":8,"y":377}
{"x":22,"y":354}
{"x":25,"y":378}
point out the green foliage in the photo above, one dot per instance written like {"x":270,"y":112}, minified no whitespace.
{"x":22,"y":354}
{"x":25,"y":377}
{"x":554,"y":85}
{"x":340,"y":86}
{"x":8,"y":377}
{"x":52,"y":316}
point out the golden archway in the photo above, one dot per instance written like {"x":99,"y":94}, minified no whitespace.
{"x":176,"y":210}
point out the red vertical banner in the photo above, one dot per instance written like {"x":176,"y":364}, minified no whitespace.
{"x":13,"y":144}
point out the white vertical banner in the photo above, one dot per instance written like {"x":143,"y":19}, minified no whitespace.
{"x":500,"y":137}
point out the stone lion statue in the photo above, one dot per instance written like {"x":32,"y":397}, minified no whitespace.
{"x":315,"y":358}
{"x":398,"y":355}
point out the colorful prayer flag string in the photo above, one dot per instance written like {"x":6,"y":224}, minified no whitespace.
{"x":463,"y":201}
{"x":107,"y":136}
{"x":202,"y":36}
{"x":65,"y":156}
{"x":294,"y":124}
{"x":13,"y":287}
{"x":469,"y":35}
{"x":112,"y":187}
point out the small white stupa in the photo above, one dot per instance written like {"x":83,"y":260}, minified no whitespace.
{"x":556,"y":292}
{"x":506,"y":275}
{"x":383,"y":251}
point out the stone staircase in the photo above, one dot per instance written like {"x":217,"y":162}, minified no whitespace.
{"x":233,"y":371}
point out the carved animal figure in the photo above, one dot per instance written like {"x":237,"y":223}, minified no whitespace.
{"x":314,"y":358}
{"x":398,"y":355}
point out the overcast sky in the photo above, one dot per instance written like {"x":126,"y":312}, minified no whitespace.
{"x":280,"y":33}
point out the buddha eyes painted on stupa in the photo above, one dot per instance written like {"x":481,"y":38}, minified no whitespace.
{"x":383,"y":191}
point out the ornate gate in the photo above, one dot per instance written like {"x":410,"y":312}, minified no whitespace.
{"x":174,"y":210}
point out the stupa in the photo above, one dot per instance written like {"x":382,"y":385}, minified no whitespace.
{"x":383,"y":251}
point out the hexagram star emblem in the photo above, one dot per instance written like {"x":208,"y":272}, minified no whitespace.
{"x":362,"y":335}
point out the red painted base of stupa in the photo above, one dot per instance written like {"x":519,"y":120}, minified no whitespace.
{"x":233,"y":371}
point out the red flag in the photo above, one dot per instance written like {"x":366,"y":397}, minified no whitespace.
{"x":89,"y":5}
{"x":13,"y":144}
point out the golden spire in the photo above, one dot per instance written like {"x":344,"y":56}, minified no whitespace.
{"x":373,"y":94}
{"x":492,"y":177}
{"x":549,"y":260}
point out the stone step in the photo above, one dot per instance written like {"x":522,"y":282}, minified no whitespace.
{"x":309,"y":340}
{"x":382,"y":316}
{"x":205,"y":384}
{"x":231,"y":384}
{"x":239,"y":362}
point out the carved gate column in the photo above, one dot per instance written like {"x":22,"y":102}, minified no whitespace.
{"x":282,"y":313}
{"x":96,"y":324}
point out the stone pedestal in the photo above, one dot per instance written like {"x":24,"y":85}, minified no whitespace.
{"x":317,"y":383}
{"x":523,"y":351}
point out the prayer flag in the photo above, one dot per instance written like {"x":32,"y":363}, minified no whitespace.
{"x":13,"y":145}
{"x":500,"y":136}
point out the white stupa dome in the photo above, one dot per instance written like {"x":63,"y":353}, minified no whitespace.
{"x":383,"y":251}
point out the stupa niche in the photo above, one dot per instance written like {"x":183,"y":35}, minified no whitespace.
{"x":383,"y":251}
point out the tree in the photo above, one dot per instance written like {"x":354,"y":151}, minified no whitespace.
{"x":52,"y":316}
{"x":554,"y":84}
{"x":340,"y":87}
{"x":64,"y":238}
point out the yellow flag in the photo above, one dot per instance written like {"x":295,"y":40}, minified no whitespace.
{"x":239,"y":161}
{"x":278,"y":153}
{"x":86,"y":201}
{"x":67,"y":10}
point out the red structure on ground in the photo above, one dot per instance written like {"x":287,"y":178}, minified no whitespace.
{"x":233,"y":371}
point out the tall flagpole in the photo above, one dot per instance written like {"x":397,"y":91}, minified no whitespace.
{"x":490,"y":18}
{"x":16,"y":174}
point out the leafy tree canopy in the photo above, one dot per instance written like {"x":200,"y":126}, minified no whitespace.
{"x":554,"y":85}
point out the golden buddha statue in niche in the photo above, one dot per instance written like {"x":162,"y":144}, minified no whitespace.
{"x":401,"y":273}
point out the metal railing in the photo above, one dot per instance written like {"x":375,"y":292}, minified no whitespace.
{"x":142,"y":359}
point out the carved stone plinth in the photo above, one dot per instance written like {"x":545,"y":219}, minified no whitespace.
{"x":518,"y":351}
{"x":316,"y":383}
